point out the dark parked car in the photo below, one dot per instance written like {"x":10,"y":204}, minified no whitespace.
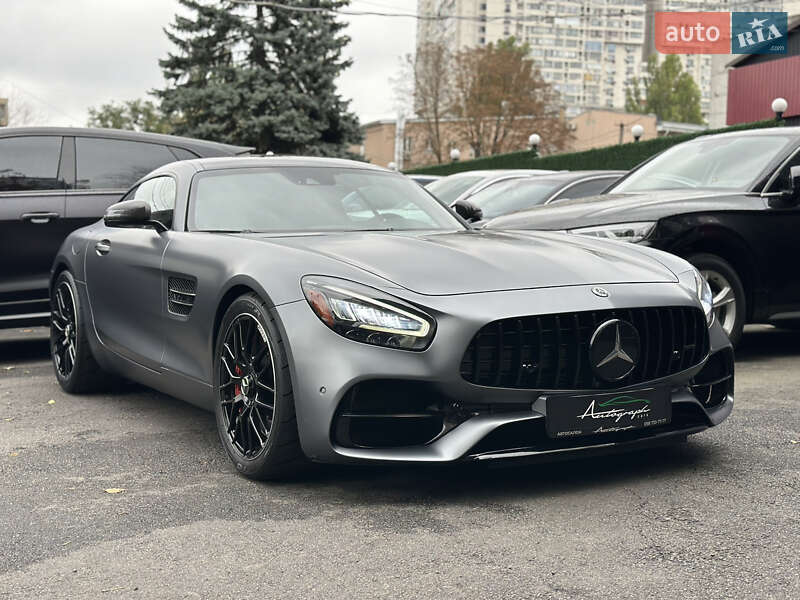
{"x":54,"y":180}
{"x":728,"y":203}
{"x":511,"y":195}
{"x":462,"y":185}
{"x":333,"y":310}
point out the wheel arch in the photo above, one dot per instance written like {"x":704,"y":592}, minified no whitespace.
{"x":59,"y":266}
{"x":233,"y":289}
{"x":729,"y":246}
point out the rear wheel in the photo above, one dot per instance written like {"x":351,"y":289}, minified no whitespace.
{"x":727,"y":290}
{"x":254,"y":404}
{"x":76,"y":369}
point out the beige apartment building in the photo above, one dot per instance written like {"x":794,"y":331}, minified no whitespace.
{"x":592,"y":128}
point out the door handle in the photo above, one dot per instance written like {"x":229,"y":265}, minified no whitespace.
{"x":39,"y":218}
{"x":103,"y":247}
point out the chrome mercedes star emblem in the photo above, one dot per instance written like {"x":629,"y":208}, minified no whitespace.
{"x":614,"y":350}
{"x":600,"y":292}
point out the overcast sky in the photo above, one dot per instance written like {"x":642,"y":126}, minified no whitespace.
{"x":63,"y":56}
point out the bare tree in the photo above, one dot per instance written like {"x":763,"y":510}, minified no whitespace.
{"x":21,"y":112}
{"x":422,"y":88}
{"x":432,"y":94}
{"x":500,"y":98}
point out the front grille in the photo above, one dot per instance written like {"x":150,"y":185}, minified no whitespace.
{"x":181,"y":294}
{"x":551,"y":352}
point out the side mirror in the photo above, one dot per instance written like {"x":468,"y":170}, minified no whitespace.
{"x":791,"y":197}
{"x":467,"y":211}
{"x":130,"y":213}
{"x":794,"y":175}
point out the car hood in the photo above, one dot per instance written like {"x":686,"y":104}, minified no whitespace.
{"x":479,"y":261}
{"x":617,"y":208}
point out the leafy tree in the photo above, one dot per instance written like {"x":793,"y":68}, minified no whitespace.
{"x":260,"y":76}
{"x":500,"y":98}
{"x":138,"y":115}
{"x":666,"y":90}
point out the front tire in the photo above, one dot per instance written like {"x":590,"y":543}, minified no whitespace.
{"x":76,"y":369}
{"x":730,"y":308}
{"x":254,"y":406}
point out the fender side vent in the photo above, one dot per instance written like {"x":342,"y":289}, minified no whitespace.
{"x":181,"y":294}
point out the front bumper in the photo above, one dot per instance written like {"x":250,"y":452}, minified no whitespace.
{"x":492,"y":423}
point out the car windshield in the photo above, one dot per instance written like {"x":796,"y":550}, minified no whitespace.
{"x":448,"y":189}
{"x":729,"y":163}
{"x":313,"y":199}
{"x":512,"y":195}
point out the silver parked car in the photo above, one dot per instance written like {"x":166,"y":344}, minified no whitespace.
{"x":509,"y":195}
{"x":463,"y":185}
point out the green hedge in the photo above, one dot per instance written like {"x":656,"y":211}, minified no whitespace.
{"x":621,"y":156}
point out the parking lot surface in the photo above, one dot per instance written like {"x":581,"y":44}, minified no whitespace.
{"x":714,"y":518}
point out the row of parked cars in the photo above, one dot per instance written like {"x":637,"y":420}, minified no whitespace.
{"x":728,"y":203}
{"x":223,"y":280}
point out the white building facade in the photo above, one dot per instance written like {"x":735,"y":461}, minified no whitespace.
{"x":589,"y":50}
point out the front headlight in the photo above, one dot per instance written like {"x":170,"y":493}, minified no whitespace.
{"x":367,"y":315}
{"x":696,"y":283}
{"x":623,"y":232}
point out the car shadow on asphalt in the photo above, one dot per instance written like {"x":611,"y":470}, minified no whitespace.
{"x":470,"y":482}
{"x":761,"y":342}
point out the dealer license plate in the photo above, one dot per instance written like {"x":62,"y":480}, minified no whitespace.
{"x":595,"y":413}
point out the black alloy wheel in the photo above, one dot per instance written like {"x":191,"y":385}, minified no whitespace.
{"x":247,"y":385}
{"x":76,"y":369}
{"x":63,"y":328}
{"x":254,"y":404}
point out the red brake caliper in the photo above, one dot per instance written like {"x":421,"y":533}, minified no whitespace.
{"x":236,"y":387}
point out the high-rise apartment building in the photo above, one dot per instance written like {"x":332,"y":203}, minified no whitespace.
{"x":589,"y":50}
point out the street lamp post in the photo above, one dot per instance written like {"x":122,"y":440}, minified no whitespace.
{"x":637,"y":131}
{"x":533,"y":141}
{"x":779,"y":106}
{"x":455,"y":154}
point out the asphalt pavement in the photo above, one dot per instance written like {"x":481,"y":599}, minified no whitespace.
{"x":717,"y":517}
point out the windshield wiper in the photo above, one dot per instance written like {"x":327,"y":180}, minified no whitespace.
{"x":382,"y":229}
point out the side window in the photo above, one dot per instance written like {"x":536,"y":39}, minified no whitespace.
{"x":158,"y":192}
{"x":116,"y":164}
{"x":783,"y":182}
{"x":30,"y":163}
{"x":586,"y":188}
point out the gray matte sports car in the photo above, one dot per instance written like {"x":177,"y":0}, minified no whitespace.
{"x":335,"y":311}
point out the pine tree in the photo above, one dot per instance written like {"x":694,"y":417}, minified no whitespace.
{"x":260,"y":76}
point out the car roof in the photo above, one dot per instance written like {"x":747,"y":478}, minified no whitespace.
{"x":123,"y":134}
{"x":574,"y":175}
{"x":255,"y":162}
{"x":500,"y":172}
{"x":791,"y":131}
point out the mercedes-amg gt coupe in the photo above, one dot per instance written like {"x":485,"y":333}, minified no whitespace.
{"x":334,"y":311}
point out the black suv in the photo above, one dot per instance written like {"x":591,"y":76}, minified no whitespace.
{"x":729,"y":203}
{"x":56,"y":179}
